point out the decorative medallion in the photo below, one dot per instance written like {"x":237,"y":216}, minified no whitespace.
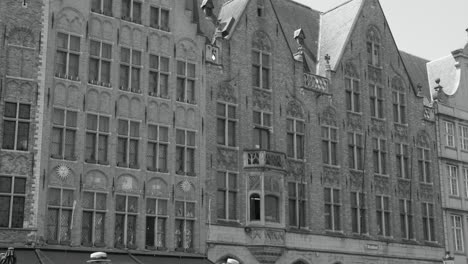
{"x":262,"y":99}
{"x":401,"y":131}
{"x":378,"y":127}
{"x":186,"y":186}
{"x":354,"y":121}
{"x":63,"y":171}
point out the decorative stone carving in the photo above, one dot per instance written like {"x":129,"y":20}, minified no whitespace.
{"x":401,"y":131}
{"x":157,"y":187}
{"x":357,"y":179}
{"x":227,"y":159}
{"x":423,"y":139}
{"x":331,"y":176}
{"x":429,"y":114}
{"x":404,"y":188}
{"x":294,"y":109}
{"x":350,"y":70}
{"x":266,"y":254}
{"x":226,"y":92}
{"x":262,"y":99}
{"x":254,"y":182}
{"x":397,"y":84}
{"x":382,"y":184}
{"x":70,"y":20}
{"x":378,"y":127}
{"x":274,"y":160}
{"x":17,"y":90}
{"x":328,"y":116}
{"x":373,"y":34}
{"x":275,"y":236}
{"x":375,"y":74}
{"x":127,"y":183}
{"x":296,"y":169}
{"x":354,"y":121}
{"x":186,"y":48}
{"x":95,"y":180}
{"x":185,"y":189}
{"x":255,"y":234}
{"x":426,"y":192}
{"x":17,"y":164}
{"x":21,"y":36}
{"x":261,"y":41}
{"x":62,"y":175}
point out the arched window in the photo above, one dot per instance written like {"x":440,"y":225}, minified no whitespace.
{"x":255,"y":208}
{"x":399,"y":101}
{"x":373,"y":46}
{"x":272,"y":208}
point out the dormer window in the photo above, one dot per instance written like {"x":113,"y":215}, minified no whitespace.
{"x":373,"y":47}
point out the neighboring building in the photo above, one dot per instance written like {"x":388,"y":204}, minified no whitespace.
{"x":448,"y":77}
{"x":323,"y":150}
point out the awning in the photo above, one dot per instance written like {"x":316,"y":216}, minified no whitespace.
{"x":144,"y":259}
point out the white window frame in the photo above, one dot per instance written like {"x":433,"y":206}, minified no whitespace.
{"x":98,"y":133}
{"x":463,"y":137}
{"x":131,"y":65}
{"x":68,"y":51}
{"x":361,"y":212}
{"x":186,"y":79}
{"x":227,"y":120}
{"x":354,"y":94}
{"x":452,"y":173}
{"x":100,"y":58}
{"x":408,"y":218}
{"x":449,"y":133}
{"x":381,"y":152}
{"x":159,"y":72}
{"x":377,"y":97}
{"x":381,"y":214}
{"x":333,"y":204}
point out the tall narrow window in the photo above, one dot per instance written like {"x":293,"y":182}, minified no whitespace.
{"x":373,"y":46}
{"x":126,"y":212}
{"x":156,"y":151}
{"x":399,"y":101}
{"x":227,"y":195}
{"x":297,"y":204}
{"x":97,"y":138}
{"x":383,"y":215}
{"x":255,"y":207}
{"x":355,"y":151}
{"x":428,"y":221}
{"x":424,"y":165}
{"x":158,"y":76}
{"x":376,"y":101}
{"x":402,"y":158}
{"x":184,"y":224}
{"x":295,"y":138}
{"x":156,"y":222}
{"x":457,"y":232}
{"x":379,"y":155}
{"x":352,"y":94}
{"x":59,"y":215}
{"x":406,"y":219}
{"x":131,"y":11}
{"x":127,"y":143}
{"x":159,"y":18}
{"x":185,"y":152}
{"x":261,"y":69}
{"x":16,"y":122}
{"x":185,"y":82}
{"x":449,"y":133}
{"x":67,"y":57}
{"x":94,"y":217}
{"x":464,"y":137}
{"x":452,"y":172}
{"x":262,"y":128}
{"x":130,"y":68}
{"x":465,"y":176}
{"x":100,"y":57}
{"x":226,"y":124}
{"x":329,"y":145}
{"x":12,"y":197}
{"x":358,"y":212}
{"x":332,"y":209}
{"x":102,"y":7}
{"x":63,"y":134}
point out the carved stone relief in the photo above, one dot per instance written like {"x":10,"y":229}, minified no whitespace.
{"x":266,"y":254}
{"x":328,"y":116}
{"x":375,"y":74}
{"x":262,"y":100}
{"x":254,"y":182}
{"x":95,"y":180}
{"x":422,"y":139}
{"x":331,"y":176}
{"x":21,"y":36}
{"x":350,"y":70}
{"x":157,"y":187}
{"x":70,"y":20}
{"x":404,"y":188}
{"x":62,"y":175}
{"x":227,"y":159}
{"x":356,"y":179}
{"x":21,"y":91}
{"x":127,"y":183}
{"x":426,"y":192}
{"x":185,"y":189}
{"x":294,"y":109}
{"x":378,"y":127}
{"x":401,"y":131}
{"x":382,"y":184}
{"x":296,"y":169}
{"x":226,"y":92}
{"x":186,"y":48}
{"x":17,"y":164}
{"x":354,"y":121}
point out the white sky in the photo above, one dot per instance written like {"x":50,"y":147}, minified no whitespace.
{"x":427,"y":28}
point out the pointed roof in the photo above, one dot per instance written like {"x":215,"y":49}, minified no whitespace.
{"x":445,"y":70}
{"x":336,"y":27}
{"x":416,"y":67}
{"x":232,"y":11}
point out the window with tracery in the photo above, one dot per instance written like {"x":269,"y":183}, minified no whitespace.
{"x":373,"y":47}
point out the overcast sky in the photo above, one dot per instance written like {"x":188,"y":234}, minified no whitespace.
{"x":426,"y":28}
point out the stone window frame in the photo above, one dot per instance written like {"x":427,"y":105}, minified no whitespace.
{"x":399,"y":101}
{"x":428,"y":221}
{"x":159,"y":24}
{"x":358,"y":212}
{"x":126,"y":213}
{"x":457,"y":232}
{"x":159,"y":71}
{"x":18,"y":139}
{"x":263,"y":126}
{"x":62,"y":208}
{"x":185,"y":218}
{"x":68,"y":133}
{"x":186,"y":81}
{"x":380,"y":155}
{"x":99,"y":134}
{"x":69,"y":52}
{"x":356,"y":150}
{"x":14,"y":194}
{"x":465,"y":176}
{"x":352,"y":94}
{"x":330,"y":142}
{"x":105,"y":7}
{"x":186,"y":152}
{"x":129,"y":137}
{"x":402,"y":159}
{"x":383,"y":215}
{"x":101,"y":59}
{"x":377,"y":99}
{"x":297,"y":199}
{"x":424,"y":164}
{"x":132,"y":15}
{"x":374,"y":46}
{"x":449,"y":133}
{"x":406,"y":218}
{"x":463,"y":129}
{"x":95,"y":211}
{"x":334,"y":207}
{"x":230,"y":192}
{"x":264,"y":83}
{"x":452,"y":174}
{"x":225,"y":117}
{"x":157,"y":218}
{"x":132,"y":66}
{"x":158,"y":142}
{"x":297,"y":144}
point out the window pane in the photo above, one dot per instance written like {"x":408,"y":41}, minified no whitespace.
{"x":20,"y":185}
{"x":5,"y":184}
{"x":4,"y":211}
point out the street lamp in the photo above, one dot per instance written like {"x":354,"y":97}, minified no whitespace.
{"x":447,"y":259}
